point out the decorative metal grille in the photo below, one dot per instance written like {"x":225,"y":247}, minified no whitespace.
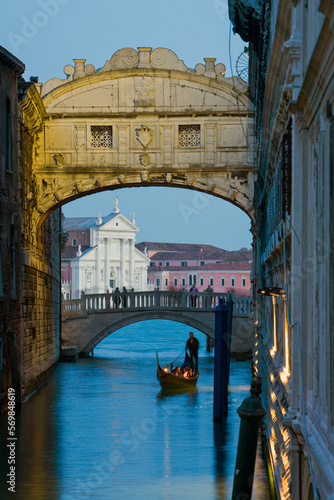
{"x":189,"y":135}
{"x":101,"y":137}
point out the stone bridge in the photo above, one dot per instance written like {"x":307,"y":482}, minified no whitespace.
{"x":89,"y":320}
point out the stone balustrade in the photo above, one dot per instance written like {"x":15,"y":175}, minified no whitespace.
{"x":91,"y":303}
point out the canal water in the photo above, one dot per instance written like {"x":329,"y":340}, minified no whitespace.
{"x":102,"y":429}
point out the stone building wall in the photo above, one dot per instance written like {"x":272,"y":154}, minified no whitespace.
{"x":292,"y":84}
{"x":40,"y":260}
{"x":10,"y":231}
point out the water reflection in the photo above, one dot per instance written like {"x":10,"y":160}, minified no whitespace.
{"x":220,"y":432}
{"x":36,"y":465}
{"x":103,"y":429}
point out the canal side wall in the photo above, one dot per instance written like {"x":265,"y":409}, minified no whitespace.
{"x":40,"y":311}
{"x":10,"y":230}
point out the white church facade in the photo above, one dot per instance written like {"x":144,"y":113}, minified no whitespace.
{"x":100,"y":255}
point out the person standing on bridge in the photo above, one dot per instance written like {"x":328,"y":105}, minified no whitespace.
{"x":193,"y":296}
{"x":192,"y":346}
{"x":124,"y":296}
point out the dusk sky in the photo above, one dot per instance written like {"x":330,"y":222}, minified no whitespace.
{"x":47,"y":34}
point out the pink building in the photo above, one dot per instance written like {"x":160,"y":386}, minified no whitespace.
{"x":179,"y":266}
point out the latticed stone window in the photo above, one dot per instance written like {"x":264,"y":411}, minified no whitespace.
{"x":101,"y":137}
{"x":189,"y":135}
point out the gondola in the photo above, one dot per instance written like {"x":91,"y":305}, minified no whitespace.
{"x":170,"y":381}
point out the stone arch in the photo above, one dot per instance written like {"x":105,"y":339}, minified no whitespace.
{"x":143,"y":119}
{"x":136,"y":317}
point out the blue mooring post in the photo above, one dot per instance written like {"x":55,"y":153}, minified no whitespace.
{"x":229,"y":335}
{"x":251,"y":412}
{"x":220,"y":395}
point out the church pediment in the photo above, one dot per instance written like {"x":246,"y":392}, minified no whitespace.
{"x":118,"y":223}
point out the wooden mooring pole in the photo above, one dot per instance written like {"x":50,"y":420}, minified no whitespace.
{"x":223,"y":328}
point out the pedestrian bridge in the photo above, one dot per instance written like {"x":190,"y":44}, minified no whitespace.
{"x":90,"y":319}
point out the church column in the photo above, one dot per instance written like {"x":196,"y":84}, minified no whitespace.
{"x":106,"y":264}
{"x":143,"y":278}
{"x":131,"y":264}
{"x":97,"y":269}
{"x":122,"y":263}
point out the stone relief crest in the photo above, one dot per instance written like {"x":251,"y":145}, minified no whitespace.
{"x":145,"y":159}
{"x":145,"y":89}
{"x":144,"y":136}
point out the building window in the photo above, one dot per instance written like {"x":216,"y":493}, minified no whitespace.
{"x":183,"y":281}
{"x":160,"y":264}
{"x":211,"y":281}
{"x":166,"y":282}
{"x":223,"y":281}
{"x":190,"y":280}
{"x":194,"y":279}
{"x":74,"y":242}
{"x":101,"y":137}
{"x":184,"y":264}
{"x":243,"y":281}
{"x":167,"y":264}
{"x":8,"y":136}
{"x":201,"y":281}
{"x":175,"y":281}
{"x":219,"y":261}
{"x":232,"y":281}
{"x":202,"y":263}
{"x":152,"y":264}
{"x":189,"y":135}
{"x":158,"y":282}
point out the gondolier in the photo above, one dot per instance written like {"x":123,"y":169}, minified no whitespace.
{"x":192,"y":345}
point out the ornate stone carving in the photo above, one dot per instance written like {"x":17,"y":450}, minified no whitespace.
{"x":144,"y":176}
{"x":144,"y":92}
{"x":59,"y":159}
{"x":144,"y":136}
{"x":169,"y":177}
{"x":211,"y":185}
{"x":145,"y":159}
{"x":167,"y":59}
{"x":210,"y":69}
{"x":122,"y":59}
{"x":237,"y":186}
{"x":190,"y":181}
{"x":189,"y":135}
{"x":121,"y":178}
{"x":79,"y":187}
{"x":101,"y":136}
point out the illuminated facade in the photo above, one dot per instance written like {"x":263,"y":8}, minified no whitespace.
{"x":291,"y":59}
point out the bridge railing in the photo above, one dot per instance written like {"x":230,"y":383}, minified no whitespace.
{"x":73,"y":306}
{"x":153,"y":299}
